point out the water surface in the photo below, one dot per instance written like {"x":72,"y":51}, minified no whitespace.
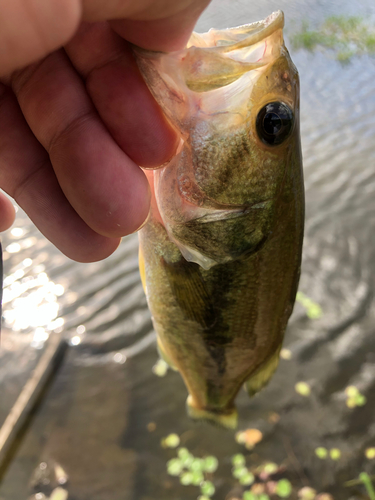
{"x":105,"y":412}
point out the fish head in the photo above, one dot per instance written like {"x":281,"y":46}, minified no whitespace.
{"x":233,"y":95}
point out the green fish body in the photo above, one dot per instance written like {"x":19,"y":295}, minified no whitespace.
{"x":220,"y":254}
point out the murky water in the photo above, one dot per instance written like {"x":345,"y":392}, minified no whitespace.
{"x":105,"y":412}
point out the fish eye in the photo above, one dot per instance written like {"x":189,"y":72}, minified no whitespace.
{"x":274,"y":123}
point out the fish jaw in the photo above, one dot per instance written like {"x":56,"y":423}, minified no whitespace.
{"x":217,"y":196}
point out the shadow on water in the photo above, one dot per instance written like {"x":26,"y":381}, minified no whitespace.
{"x":97,"y":432}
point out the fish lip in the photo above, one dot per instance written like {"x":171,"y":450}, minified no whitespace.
{"x":258,"y":31}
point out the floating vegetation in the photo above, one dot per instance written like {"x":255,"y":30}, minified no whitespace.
{"x":303,"y":388}
{"x":313,"y":310}
{"x":307,"y":493}
{"x":240,"y":471}
{"x":171,"y":441}
{"x":259,"y":482}
{"x":285,"y":353}
{"x":160,"y":368}
{"x":284,"y":488}
{"x":199,"y":472}
{"x":335,"y":454}
{"x":354,"y":397}
{"x":323,"y":453}
{"x":192,"y":470}
{"x":366,"y":480}
{"x":249,"y":437}
{"x":345,"y":37}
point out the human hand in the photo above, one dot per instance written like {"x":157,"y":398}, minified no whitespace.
{"x":75,"y":122}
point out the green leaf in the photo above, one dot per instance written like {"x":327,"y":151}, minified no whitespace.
{"x":360,"y":400}
{"x":197,"y":465}
{"x":197,"y":478}
{"x":183,"y":453}
{"x":186,"y":457}
{"x":174,"y":467}
{"x":238,"y":460}
{"x":186,"y":478}
{"x":247,"y":479}
{"x":207,"y":488}
{"x":270,"y":468}
{"x":335,"y":454}
{"x":321,"y":452}
{"x":238,"y":472}
{"x":284,"y":488}
{"x":303,"y":388}
{"x":248,"y":495}
{"x":211,"y":463}
{"x":171,"y":441}
{"x":366,"y":480}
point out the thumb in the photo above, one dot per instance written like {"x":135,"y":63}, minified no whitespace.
{"x":167,"y":33}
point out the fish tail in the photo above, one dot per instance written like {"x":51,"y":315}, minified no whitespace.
{"x":227,"y":418}
{"x":261,"y":378}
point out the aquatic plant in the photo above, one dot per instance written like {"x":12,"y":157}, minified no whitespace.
{"x":190,"y":469}
{"x":323,"y":453}
{"x":345,"y":36}
{"x":354,"y":397}
{"x":260,"y":482}
{"x":366,"y":480}
{"x":313,"y":310}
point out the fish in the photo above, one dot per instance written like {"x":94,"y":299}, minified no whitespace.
{"x":220,"y":254}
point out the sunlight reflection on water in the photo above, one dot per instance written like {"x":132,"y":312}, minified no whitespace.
{"x":30,"y":301}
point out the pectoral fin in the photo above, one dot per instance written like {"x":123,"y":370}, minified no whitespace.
{"x":190,"y":291}
{"x":260,"y":379}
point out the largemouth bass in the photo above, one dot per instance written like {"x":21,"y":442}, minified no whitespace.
{"x":220,"y":254}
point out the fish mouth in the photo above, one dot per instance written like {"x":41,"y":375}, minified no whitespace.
{"x":230,"y":39}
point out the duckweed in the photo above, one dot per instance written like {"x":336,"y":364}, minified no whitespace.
{"x":321,"y":452}
{"x":335,"y":454}
{"x":303,"y":388}
{"x":207,"y":488}
{"x":171,"y":441}
{"x":354,"y":397}
{"x":160,"y":368}
{"x":284,"y":488}
{"x":247,"y":479}
{"x":313,"y":310}
{"x":238,"y":460}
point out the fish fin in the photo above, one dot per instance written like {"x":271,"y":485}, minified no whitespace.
{"x":190,"y":291}
{"x":226,"y":418}
{"x":142,"y":268}
{"x":262,"y":376}
{"x":164,"y":356}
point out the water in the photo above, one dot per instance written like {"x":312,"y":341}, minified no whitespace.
{"x":105,"y":412}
